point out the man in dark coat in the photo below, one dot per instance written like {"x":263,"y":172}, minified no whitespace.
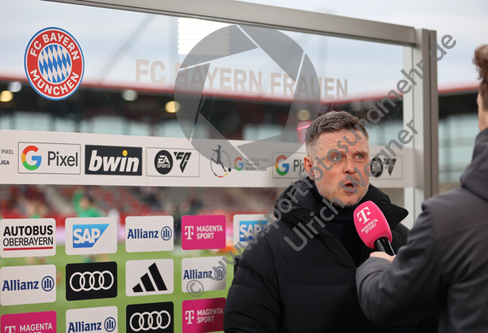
{"x":298,"y":275}
{"x":445,"y":261}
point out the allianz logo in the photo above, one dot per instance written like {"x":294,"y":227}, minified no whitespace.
{"x":140,"y":233}
{"x":80,"y":326}
{"x":47,"y":284}
{"x":195,"y":274}
{"x":86,"y":235}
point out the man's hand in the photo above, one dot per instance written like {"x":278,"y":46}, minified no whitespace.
{"x":383,"y":255}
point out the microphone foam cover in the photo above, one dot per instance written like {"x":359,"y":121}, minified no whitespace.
{"x":371,"y":223}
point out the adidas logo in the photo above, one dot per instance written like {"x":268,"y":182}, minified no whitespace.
{"x":150,"y":281}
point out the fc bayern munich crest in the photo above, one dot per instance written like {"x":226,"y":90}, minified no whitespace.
{"x":54,"y":63}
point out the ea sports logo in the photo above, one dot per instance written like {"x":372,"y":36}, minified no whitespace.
{"x":54,"y":63}
{"x":195,"y":69}
{"x":163,"y":162}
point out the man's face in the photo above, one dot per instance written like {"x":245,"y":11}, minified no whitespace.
{"x":337,"y":163}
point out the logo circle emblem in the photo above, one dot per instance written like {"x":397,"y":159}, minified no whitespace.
{"x":149,"y":321}
{"x":54,"y":63}
{"x":190,"y":90}
{"x":47,"y":283}
{"x":110,"y":324}
{"x":219,"y":273}
{"x":166,"y":233}
{"x":163,"y":162}
{"x":91,"y":281}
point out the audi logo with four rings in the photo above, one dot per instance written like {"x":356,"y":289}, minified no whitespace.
{"x":92,"y":281}
{"x":149,"y":320}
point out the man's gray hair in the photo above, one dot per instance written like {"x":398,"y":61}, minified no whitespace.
{"x":334,"y":121}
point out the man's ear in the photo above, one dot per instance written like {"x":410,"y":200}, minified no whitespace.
{"x":307,"y":162}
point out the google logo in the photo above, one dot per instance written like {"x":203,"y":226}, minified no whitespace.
{"x":35,"y":158}
{"x":238,"y":165}
{"x":285,"y":165}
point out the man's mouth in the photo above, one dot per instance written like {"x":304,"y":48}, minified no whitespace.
{"x":349,"y":184}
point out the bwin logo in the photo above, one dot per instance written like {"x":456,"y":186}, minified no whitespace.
{"x":109,"y":160}
{"x":86,"y":235}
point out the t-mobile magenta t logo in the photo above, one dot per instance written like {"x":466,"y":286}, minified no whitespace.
{"x":363,"y":215}
{"x":189,"y":315}
{"x":189,"y":231}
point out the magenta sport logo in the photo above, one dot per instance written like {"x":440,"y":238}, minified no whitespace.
{"x":203,"y":315}
{"x":200,"y":232}
{"x":44,"y":322}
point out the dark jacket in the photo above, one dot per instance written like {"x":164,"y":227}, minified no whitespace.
{"x":445,"y":261}
{"x":279,"y":289}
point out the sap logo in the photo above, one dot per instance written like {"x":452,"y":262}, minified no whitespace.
{"x":249,"y":229}
{"x":86,"y":235}
{"x":108,"y":160}
{"x":378,"y":165}
{"x":184,"y":157}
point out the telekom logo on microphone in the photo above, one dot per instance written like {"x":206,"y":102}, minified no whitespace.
{"x":363,"y":215}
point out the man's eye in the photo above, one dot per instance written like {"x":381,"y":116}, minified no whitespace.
{"x":336,"y":158}
{"x":359,"y":157}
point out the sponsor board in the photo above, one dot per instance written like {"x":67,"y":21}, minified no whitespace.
{"x":203,"y":315}
{"x":91,"y":280}
{"x":49,"y":158}
{"x":149,"y":277}
{"x":201,"y":270}
{"x":54,"y":63}
{"x":201,"y":232}
{"x":247,"y":225}
{"x":150,"y":317}
{"x":149,"y":233}
{"x":91,"y":235}
{"x":100,"y":320}
{"x":28,"y":284}
{"x":113,"y":160}
{"x":35,"y":322}
{"x":397,"y":173}
{"x":171,"y":162}
{"x":27,"y":237}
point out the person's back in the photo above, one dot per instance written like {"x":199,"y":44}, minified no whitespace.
{"x":445,"y":261}
{"x":460,"y":226}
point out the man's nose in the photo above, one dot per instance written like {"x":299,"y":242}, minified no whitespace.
{"x":349,"y":166}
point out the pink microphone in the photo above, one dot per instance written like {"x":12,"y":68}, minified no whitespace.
{"x":372,"y":227}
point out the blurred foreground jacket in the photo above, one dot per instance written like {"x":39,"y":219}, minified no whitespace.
{"x":445,"y":262}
